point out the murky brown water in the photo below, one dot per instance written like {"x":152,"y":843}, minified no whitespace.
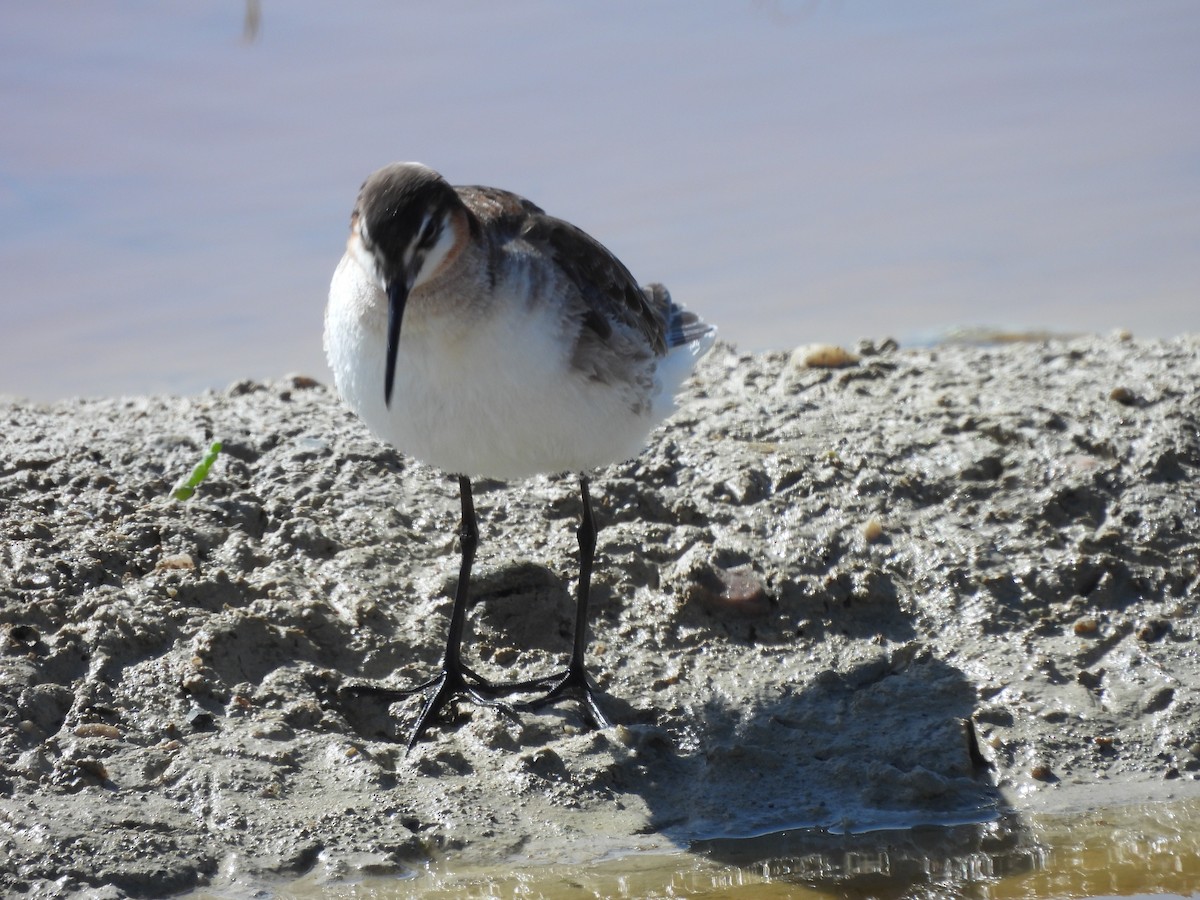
{"x":1152,"y":849}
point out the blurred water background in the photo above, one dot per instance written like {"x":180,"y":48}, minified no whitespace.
{"x":176,"y":179}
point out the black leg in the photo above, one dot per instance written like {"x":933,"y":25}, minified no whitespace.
{"x":455,"y":679}
{"x":451,"y":682}
{"x":574,"y":682}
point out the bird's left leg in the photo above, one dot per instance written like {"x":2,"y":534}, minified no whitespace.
{"x":574,"y":682}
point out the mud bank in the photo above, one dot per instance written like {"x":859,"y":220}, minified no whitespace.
{"x":918,"y":589}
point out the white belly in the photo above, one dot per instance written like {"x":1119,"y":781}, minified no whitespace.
{"x":497,"y":398}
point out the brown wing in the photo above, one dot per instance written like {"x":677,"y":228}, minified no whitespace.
{"x":503,"y":211}
{"x":609,"y":290}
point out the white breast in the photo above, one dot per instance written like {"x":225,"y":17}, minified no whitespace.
{"x":495,"y":396}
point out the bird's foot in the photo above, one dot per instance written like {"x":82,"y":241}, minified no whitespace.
{"x":450,"y":684}
{"x":572,"y":684}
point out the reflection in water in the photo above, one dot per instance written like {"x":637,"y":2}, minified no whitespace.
{"x":1143,"y":849}
{"x":889,"y":863}
{"x":1150,"y":848}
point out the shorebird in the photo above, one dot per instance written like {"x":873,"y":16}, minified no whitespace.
{"x":479,"y":335}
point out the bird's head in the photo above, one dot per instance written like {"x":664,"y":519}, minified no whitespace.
{"x":407,"y":226}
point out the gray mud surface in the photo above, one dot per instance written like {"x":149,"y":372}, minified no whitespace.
{"x":918,"y":589}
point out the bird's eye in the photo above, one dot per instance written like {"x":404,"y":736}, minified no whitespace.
{"x":429,"y":231}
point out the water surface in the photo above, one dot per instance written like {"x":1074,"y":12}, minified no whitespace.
{"x":175,"y":181}
{"x":1139,"y":850}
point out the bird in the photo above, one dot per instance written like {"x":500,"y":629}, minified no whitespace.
{"x":477,"y":334}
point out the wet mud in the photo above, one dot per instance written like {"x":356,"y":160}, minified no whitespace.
{"x":839,"y":592}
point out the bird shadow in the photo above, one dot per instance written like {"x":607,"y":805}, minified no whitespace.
{"x":869,"y":779}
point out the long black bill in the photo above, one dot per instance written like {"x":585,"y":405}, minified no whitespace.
{"x":397,"y":297}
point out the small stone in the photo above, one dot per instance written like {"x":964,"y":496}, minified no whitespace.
{"x":1041,"y":772}
{"x":1123,"y":395}
{"x":873,"y":531}
{"x":547,"y":764}
{"x":666,"y":681}
{"x":97,"y":729}
{"x":735,"y":592}
{"x":176,"y":561}
{"x":1086,"y":626}
{"x":823,"y":356}
{"x":1152,"y":630}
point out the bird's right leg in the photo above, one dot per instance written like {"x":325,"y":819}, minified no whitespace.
{"x":455,"y":679}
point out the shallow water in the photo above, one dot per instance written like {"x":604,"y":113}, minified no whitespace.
{"x":176,"y":180}
{"x":1149,"y":849}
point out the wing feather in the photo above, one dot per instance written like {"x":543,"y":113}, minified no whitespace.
{"x":608,"y":290}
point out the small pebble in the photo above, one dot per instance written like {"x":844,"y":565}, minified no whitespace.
{"x":873,"y":531}
{"x":1153,"y":630}
{"x":1041,"y":772}
{"x":738,"y":593}
{"x":1086,"y":626}
{"x":97,"y":729}
{"x":1123,"y":395}
{"x":665,"y":681}
{"x":822,"y":356}
{"x":176,"y":561}
{"x":624,"y":735}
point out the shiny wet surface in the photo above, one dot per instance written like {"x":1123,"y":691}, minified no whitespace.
{"x":1131,"y":851}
